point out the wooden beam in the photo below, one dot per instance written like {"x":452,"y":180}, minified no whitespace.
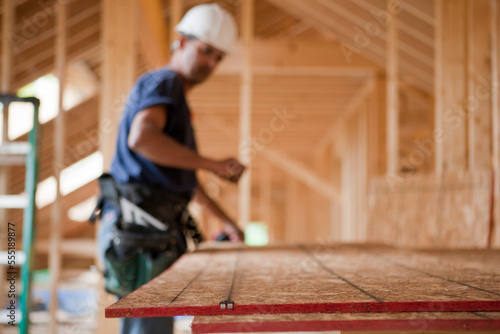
{"x":494,"y":238}
{"x":153,"y":31}
{"x":176,"y":7}
{"x":291,"y":206}
{"x":117,"y":69}
{"x":478,"y":69}
{"x":57,"y":214}
{"x":363,"y":93}
{"x":362,"y":177}
{"x":265,"y":194}
{"x":413,"y":31}
{"x":286,"y":164}
{"x":418,"y":13}
{"x":345,"y":36}
{"x":7,"y":24}
{"x":454,"y":76}
{"x":5,"y":86}
{"x":438,"y":87}
{"x":300,"y":172}
{"x":118,"y":74}
{"x":245,"y":186}
{"x":405,"y":48}
{"x":392,"y":92}
{"x":81,"y":248}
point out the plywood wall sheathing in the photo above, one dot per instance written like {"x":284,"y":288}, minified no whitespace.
{"x":428,"y":211}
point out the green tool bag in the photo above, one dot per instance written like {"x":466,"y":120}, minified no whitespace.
{"x":122,"y":276}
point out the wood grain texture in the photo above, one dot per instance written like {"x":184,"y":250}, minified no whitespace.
{"x":321,"y":278}
{"x":407,"y":321}
{"x":428,"y":211}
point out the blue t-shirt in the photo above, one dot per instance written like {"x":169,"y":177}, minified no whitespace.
{"x":161,"y":87}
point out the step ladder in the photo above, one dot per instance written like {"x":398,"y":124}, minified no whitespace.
{"x":23,"y":153}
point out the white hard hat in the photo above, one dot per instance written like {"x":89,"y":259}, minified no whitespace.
{"x":210,"y":24}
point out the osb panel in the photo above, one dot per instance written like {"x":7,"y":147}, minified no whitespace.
{"x":424,"y":211}
{"x":321,"y":278}
{"x":409,"y":321}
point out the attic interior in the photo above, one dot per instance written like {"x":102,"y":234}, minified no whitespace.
{"x":361,"y":121}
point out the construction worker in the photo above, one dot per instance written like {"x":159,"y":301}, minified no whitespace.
{"x":143,"y":202}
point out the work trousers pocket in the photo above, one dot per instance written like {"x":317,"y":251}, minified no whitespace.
{"x":124,"y":275}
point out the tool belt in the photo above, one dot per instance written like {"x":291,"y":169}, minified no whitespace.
{"x":149,"y":235}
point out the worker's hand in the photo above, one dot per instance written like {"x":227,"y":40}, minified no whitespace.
{"x":229,"y":169}
{"x":234,"y":232}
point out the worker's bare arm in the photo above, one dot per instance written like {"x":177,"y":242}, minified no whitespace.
{"x":146,"y":137}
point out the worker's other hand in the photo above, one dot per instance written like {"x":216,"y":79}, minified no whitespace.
{"x":229,"y":169}
{"x":234,"y":233}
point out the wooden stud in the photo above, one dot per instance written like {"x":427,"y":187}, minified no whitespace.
{"x":265,"y":194}
{"x":494,"y":240}
{"x":57,"y":214}
{"x":6,"y":75}
{"x":477,"y":103}
{"x":392,"y":92}
{"x":364,"y":91}
{"x":420,"y":14}
{"x":455,"y":117}
{"x":291,"y":204}
{"x":153,"y":32}
{"x":175,"y":17}
{"x":346,"y":186}
{"x":362,"y":177}
{"x":470,"y":83}
{"x":7,"y":24}
{"x":334,"y":206}
{"x":438,"y":87}
{"x":118,"y":74}
{"x":300,"y":172}
{"x":244,"y":189}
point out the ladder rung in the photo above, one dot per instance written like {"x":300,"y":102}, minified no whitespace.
{"x":13,"y":201}
{"x":12,"y":160}
{"x":19,"y":259}
{"x":15,"y":147}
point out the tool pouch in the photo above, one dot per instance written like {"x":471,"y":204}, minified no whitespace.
{"x":124,"y":275}
{"x":140,"y":251}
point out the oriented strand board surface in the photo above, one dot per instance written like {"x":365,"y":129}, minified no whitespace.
{"x":426,"y":211}
{"x":405,"y":321}
{"x":322,"y":278}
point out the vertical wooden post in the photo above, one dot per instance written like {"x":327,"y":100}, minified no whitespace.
{"x":57,"y":214}
{"x":392,"y":92}
{"x":438,"y":87}
{"x":470,"y":82}
{"x":477,"y":103}
{"x":175,"y":18}
{"x":455,"y":117}
{"x":347,"y":185}
{"x":247,"y":13}
{"x":154,"y":33}
{"x":118,"y":74}
{"x":495,"y":116}
{"x":334,"y":206}
{"x":7,"y":24}
{"x":265,"y":194}
{"x":362,"y":177}
{"x":291,"y":210}
{"x":118,"y":69}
